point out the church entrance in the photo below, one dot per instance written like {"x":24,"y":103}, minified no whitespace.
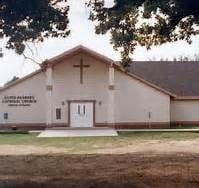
{"x":81,"y":113}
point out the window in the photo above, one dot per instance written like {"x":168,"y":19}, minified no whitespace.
{"x":58,"y":113}
{"x":81,"y":110}
{"x":5,"y":116}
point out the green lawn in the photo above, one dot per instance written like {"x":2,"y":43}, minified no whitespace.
{"x":92,"y":143}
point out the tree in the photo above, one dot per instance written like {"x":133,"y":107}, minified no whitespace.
{"x":194,"y":58}
{"x":24,"y":21}
{"x":145,"y":22}
{"x":181,"y":58}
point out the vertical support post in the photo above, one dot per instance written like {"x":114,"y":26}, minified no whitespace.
{"x":111,"y":94}
{"x":49,"y":93}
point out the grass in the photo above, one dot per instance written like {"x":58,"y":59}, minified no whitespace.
{"x":93,"y":143}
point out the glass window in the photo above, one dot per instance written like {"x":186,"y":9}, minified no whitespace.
{"x":58,"y":113}
{"x":5,"y":116}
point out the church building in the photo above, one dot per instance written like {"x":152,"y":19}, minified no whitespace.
{"x":82,"y":88}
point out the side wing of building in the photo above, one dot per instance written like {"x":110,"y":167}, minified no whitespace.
{"x":24,"y":103}
{"x":185,"y":112}
{"x":139,"y":105}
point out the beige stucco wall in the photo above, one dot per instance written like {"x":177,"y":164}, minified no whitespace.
{"x":66,"y":86}
{"x":185,"y":111}
{"x":134,"y":101}
{"x":34,"y":86}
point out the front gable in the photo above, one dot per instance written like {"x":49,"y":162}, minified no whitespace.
{"x":68,"y":71}
{"x":67,"y":85}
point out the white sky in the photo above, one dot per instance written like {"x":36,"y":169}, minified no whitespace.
{"x":82,"y":32}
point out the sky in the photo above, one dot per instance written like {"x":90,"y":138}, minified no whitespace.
{"x":82,"y":32}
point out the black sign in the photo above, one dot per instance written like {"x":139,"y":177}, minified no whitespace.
{"x":23,"y":100}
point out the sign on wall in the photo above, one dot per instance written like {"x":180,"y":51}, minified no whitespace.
{"x":21,"y":100}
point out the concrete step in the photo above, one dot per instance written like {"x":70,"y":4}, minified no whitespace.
{"x":80,"y":132}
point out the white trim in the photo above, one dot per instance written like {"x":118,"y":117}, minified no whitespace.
{"x":111,"y":95}
{"x":49,"y":100}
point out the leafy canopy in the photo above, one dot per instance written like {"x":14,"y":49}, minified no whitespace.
{"x":32,"y":20}
{"x":145,"y":22}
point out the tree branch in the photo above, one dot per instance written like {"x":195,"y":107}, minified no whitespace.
{"x":31,"y":50}
{"x":31,"y":59}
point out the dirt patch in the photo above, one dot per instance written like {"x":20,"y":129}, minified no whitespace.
{"x":142,"y":170}
{"x":151,"y":164}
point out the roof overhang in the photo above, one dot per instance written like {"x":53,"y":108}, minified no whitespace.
{"x":186,"y":98}
{"x":75,"y":51}
{"x":20,"y":80}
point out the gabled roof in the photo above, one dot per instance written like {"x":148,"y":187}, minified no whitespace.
{"x":7,"y":86}
{"x":82,"y":49}
{"x":181,"y":78}
{"x":75,"y":51}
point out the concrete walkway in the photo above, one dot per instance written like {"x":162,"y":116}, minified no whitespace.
{"x":88,"y":132}
{"x":159,"y":130}
{"x":78,"y":132}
